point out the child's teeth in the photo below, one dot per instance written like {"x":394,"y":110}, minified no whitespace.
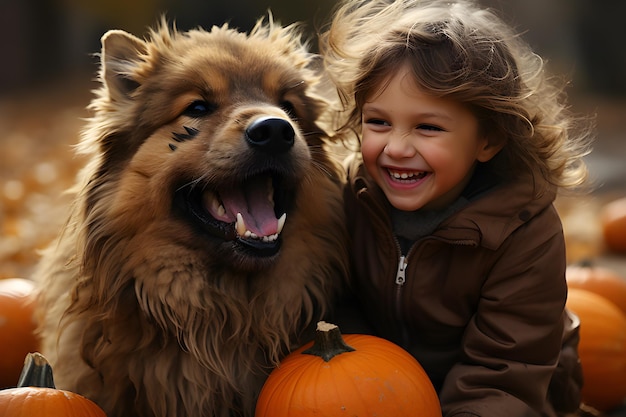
{"x":407,"y":175}
{"x":403,"y":175}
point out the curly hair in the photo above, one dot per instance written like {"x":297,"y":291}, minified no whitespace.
{"x":459,"y":51}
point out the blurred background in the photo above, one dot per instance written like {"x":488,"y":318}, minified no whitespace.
{"x":47,"y":67}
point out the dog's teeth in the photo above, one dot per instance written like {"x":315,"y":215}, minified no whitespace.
{"x":240,"y":225}
{"x":281,"y":223}
{"x":270,"y":238}
{"x":211,"y":200}
{"x":242,"y":230}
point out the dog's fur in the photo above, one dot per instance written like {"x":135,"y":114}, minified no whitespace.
{"x":151,"y":302}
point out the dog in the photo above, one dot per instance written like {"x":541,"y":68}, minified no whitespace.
{"x":207,"y":231}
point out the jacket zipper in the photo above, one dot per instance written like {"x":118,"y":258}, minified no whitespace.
{"x":379,"y":212}
{"x":400,"y":280}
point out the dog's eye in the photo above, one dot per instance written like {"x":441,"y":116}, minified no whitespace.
{"x":199,"y":108}
{"x":288,"y":108}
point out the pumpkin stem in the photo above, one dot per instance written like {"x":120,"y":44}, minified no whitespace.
{"x":37,"y":372}
{"x":328,"y":342}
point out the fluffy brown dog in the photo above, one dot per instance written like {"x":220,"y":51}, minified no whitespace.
{"x":207,"y":230}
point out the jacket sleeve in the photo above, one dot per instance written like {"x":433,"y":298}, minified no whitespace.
{"x":511,"y":344}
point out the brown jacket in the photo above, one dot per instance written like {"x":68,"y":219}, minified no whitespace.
{"x":481,"y":305}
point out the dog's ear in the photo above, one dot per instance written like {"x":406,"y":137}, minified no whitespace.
{"x":121,"y":54}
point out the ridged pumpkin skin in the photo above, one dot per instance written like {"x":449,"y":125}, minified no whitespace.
{"x":600,"y":280}
{"x":46,"y":402}
{"x":17,"y":328}
{"x":377,"y":379}
{"x":602,"y":348}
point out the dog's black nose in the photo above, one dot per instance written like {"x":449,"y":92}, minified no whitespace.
{"x":271,"y":134}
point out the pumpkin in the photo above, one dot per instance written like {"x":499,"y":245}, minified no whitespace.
{"x":36,"y":395}
{"x":602,"y":348}
{"x":601,"y":280}
{"x":17,"y":328}
{"x":354,"y":375}
{"x":613,"y":223}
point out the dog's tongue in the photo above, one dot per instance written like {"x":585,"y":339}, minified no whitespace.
{"x":253,"y":201}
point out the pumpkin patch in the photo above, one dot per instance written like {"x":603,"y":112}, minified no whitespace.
{"x":353,"y":375}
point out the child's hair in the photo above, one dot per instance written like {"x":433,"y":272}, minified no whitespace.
{"x":458,"y":51}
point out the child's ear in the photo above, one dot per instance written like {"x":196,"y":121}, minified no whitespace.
{"x":489,"y":149}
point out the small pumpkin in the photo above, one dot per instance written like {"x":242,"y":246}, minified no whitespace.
{"x":613,"y":223}
{"x":36,"y":395}
{"x":353,"y":375}
{"x":602,"y":348}
{"x":598,"y":279}
{"x":17,"y":327}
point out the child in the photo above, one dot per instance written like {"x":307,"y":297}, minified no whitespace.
{"x":458,"y":252}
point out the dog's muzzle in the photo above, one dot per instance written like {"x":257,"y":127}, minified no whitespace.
{"x":252,"y":210}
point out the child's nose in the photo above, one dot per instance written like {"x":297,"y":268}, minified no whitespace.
{"x":399,"y":146}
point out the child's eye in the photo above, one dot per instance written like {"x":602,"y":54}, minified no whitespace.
{"x":378,"y":122}
{"x":432,"y":128}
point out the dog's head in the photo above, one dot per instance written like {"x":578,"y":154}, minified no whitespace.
{"x":205,"y":137}
{"x":210,"y":216}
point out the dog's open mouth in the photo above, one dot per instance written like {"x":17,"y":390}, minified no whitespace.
{"x":251,"y":213}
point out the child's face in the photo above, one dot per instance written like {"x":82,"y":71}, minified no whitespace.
{"x":420,"y":149}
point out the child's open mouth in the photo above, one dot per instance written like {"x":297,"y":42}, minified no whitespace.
{"x":406,"y":176}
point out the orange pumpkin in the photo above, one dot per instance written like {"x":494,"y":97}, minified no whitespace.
{"x":602,"y":348}
{"x":17,"y":328}
{"x":613,"y":222}
{"x":36,"y":395}
{"x":368,"y":377}
{"x":601,"y":280}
